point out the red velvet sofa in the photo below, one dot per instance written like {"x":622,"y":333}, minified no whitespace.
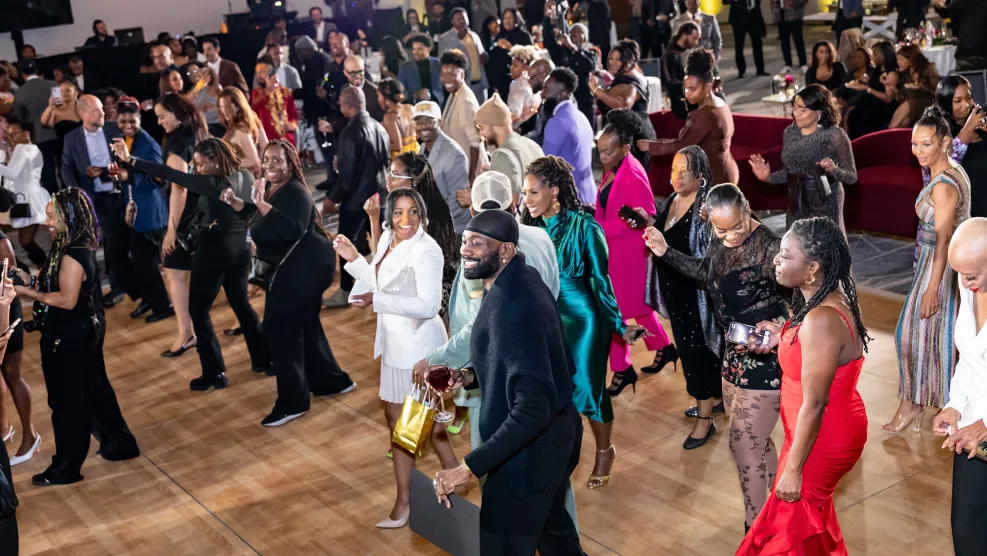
{"x":889,"y":180}
{"x":752,"y":135}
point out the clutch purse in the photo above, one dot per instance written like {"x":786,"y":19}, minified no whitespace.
{"x":21,"y":208}
{"x":414,"y":426}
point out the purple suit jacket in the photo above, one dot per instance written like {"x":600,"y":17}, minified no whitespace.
{"x":568,"y":135}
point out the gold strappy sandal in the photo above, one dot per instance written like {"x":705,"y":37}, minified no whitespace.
{"x":597,"y":481}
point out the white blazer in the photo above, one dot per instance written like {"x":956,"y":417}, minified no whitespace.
{"x":23,"y":171}
{"x":407,"y":297}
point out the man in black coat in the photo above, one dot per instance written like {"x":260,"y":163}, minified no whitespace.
{"x":530,"y":430}
{"x":363,"y":155}
{"x":322,"y":80}
{"x":746,"y":19}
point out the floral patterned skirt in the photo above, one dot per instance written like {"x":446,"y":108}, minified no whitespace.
{"x":751,"y":371}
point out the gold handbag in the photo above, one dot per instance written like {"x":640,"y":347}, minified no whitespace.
{"x":414,"y":426}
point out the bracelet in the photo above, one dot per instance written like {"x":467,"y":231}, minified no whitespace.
{"x":468,"y":470}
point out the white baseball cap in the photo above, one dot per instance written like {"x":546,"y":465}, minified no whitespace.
{"x":429,"y":109}
{"x":491,"y":186}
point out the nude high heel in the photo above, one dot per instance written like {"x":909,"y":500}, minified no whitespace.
{"x":899,"y":423}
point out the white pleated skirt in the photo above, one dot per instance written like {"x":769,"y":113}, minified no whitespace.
{"x":395,"y":384}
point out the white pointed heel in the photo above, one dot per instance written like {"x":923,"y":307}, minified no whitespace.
{"x":17,"y":460}
{"x":394,"y":523}
{"x":9,"y":436}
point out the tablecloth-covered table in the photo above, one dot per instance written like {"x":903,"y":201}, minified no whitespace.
{"x":944,"y":57}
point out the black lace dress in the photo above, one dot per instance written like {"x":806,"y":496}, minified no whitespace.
{"x":741,"y":283}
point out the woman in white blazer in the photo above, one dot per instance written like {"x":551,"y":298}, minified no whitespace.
{"x":405,"y":281}
{"x":23,"y":179}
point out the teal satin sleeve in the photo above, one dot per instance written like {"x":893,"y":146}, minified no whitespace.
{"x":598,"y":275}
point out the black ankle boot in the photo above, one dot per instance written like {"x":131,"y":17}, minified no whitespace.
{"x":668,"y":354}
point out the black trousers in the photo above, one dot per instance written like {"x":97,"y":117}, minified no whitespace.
{"x":511,"y":525}
{"x":788,"y":31}
{"x":49,"y":176}
{"x":843,"y":23}
{"x":740,"y":32}
{"x":9,"y":537}
{"x":82,"y":401}
{"x":110,"y":209}
{"x":145,"y":252}
{"x":301,"y":356}
{"x":222,"y":260}
{"x":354,"y":224}
{"x":969,"y":511}
{"x":654,"y":39}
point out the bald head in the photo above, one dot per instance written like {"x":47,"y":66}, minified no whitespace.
{"x":538,"y":73}
{"x":968,"y":253}
{"x":90,"y":109}
{"x":355,"y":70}
{"x":352,"y":101}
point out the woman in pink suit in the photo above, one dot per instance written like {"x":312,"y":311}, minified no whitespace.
{"x":625,"y":183}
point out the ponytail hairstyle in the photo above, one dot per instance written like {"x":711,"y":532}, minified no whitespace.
{"x":935,"y":117}
{"x":727,"y":195}
{"x":700,"y":64}
{"x":822,"y":241}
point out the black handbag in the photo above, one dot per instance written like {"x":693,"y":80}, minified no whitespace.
{"x":8,"y":499}
{"x":263,"y":273}
{"x":188,"y":238}
{"x":21,"y":208}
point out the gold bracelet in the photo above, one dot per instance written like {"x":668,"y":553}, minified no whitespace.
{"x":468,"y":470}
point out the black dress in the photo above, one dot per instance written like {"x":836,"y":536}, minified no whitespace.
{"x":80,"y":395}
{"x":181,"y":143}
{"x":289,"y":235}
{"x":836,"y":79}
{"x":741,"y":283}
{"x":700,"y":365}
{"x":221,"y":259}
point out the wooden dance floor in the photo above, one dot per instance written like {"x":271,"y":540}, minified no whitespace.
{"x":212,"y":481}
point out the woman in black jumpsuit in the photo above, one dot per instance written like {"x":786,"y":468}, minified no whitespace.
{"x":69,"y":311}
{"x":220,"y":258}
{"x":288,"y":234}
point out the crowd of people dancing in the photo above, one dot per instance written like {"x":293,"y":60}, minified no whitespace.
{"x":465,"y":193}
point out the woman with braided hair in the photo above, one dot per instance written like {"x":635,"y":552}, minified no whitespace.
{"x":287,"y":231}
{"x":68,"y":310}
{"x":823,"y":416}
{"x":220,"y":256}
{"x":586,"y":300}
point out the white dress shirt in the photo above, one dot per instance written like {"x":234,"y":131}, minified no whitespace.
{"x":215,"y":66}
{"x":320,"y":32}
{"x":80,"y":80}
{"x":99,"y":155}
{"x":968,"y":388}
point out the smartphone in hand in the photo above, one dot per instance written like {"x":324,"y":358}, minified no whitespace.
{"x":628,"y":213}
{"x":747,"y":335}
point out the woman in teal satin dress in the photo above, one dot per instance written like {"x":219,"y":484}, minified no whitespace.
{"x":586,"y":299}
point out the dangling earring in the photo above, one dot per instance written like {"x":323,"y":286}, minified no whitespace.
{"x":812,"y":279}
{"x":555,"y":205}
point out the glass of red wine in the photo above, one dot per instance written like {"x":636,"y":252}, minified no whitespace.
{"x":438,"y":378}
{"x":113,"y":169}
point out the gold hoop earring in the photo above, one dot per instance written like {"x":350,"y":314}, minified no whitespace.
{"x":812,"y":279}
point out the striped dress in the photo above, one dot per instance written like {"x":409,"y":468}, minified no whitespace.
{"x":926,"y":352}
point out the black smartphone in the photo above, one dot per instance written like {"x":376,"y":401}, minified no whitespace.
{"x":630,"y":214}
{"x":639,"y":334}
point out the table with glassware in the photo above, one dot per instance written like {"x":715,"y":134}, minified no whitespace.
{"x":943,"y":56}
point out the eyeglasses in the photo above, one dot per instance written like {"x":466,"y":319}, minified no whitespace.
{"x":798,"y":107}
{"x":394,"y":176}
{"x":357,"y":73}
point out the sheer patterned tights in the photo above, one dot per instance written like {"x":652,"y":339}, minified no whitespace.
{"x":753,"y":415}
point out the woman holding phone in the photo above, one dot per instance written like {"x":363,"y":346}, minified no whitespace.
{"x":738,"y":272}
{"x":625,"y":186}
{"x":821,"y":350}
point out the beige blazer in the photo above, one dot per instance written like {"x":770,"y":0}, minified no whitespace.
{"x":459,"y":123}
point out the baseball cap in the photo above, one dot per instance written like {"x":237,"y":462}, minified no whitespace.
{"x":28,"y":67}
{"x":428,"y":108}
{"x":491,"y":186}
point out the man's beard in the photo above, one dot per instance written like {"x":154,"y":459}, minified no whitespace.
{"x":484,"y":268}
{"x":549,"y":106}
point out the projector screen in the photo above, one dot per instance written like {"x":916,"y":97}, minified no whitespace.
{"x":19,"y":15}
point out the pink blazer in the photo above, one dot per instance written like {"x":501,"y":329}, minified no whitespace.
{"x":628,"y":260}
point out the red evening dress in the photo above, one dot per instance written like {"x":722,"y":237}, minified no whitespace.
{"x":808,"y":527}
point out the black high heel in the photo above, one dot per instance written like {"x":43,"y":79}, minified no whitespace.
{"x":693,"y":443}
{"x":668,"y":354}
{"x":621,"y":381}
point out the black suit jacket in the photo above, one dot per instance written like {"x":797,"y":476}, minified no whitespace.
{"x":75,"y":157}
{"x":92,"y":82}
{"x":524,"y":370}
{"x":314,"y":72}
{"x":363,"y":154}
{"x":740,"y":15}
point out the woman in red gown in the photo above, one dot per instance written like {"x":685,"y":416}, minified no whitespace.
{"x":821,"y":410}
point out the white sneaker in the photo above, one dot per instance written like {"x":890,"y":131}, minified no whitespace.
{"x":17,"y":460}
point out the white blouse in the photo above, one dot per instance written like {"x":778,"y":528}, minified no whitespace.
{"x":407,"y":297}
{"x":968,"y":388}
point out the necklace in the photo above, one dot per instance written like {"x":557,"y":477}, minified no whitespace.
{"x":674,"y":212}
